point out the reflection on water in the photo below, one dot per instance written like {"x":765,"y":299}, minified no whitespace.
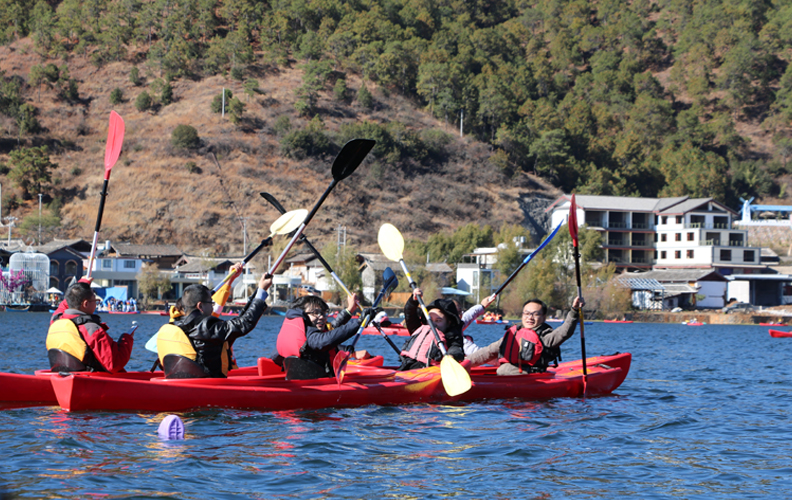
{"x":695,"y":419}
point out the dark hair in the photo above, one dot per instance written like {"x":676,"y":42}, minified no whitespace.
{"x":310,"y":300}
{"x":194,"y":294}
{"x":537,"y":301}
{"x":77,"y":294}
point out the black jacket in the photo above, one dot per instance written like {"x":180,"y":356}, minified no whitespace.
{"x":318,"y":344}
{"x":208,"y":334}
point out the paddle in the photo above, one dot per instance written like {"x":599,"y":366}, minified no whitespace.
{"x":573,"y":231}
{"x":345,"y":164}
{"x":308,"y":244}
{"x":456,"y":379}
{"x":285,"y":224}
{"x":390,"y":342}
{"x":528,"y":259}
{"x":389,"y":281}
{"x":115,"y":139}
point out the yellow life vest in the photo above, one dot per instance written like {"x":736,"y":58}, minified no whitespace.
{"x":64,"y":335}
{"x":172,"y":340}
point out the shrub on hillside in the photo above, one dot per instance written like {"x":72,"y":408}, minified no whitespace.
{"x":364,"y":97}
{"x":309,"y":141}
{"x":166,"y":96}
{"x":116,"y":96}
{"x":340,"y":90}
{"x":185,"y":137}
{"x":143,"y":101}
{"x":217,"y":102}
{"x":134,"y":76}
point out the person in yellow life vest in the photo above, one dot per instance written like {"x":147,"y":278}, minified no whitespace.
{"x":77,"y":339}
{"x":199,"y":337}
{"x":532,"y":345}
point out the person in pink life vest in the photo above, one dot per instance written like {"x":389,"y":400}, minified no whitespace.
{"x":531,"y":346}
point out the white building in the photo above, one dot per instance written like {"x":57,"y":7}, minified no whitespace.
{"x":664,"y":233}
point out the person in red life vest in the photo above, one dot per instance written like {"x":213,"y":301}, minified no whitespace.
{"x":65,"y":305}
{"x":531,"y":346}
{"x":212,"y":337}
{"x":306,"y":334}
{"x":80,"y":332}
{"x":421,"y":349}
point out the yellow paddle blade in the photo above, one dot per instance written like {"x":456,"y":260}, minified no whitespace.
{"x":288,"y":222}
{"x":220,"y":297}
{"x":456,"y":380}
{"x":391,"y":242}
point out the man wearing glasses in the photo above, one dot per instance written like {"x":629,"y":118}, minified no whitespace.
{"x":538,"y":344}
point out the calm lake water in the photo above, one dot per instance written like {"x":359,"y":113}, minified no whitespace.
{"x":704,"y":413}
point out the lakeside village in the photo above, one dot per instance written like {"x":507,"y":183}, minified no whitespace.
{"x":677,"y":255}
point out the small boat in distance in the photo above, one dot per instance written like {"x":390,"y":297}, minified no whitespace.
{"x":779,"y":333}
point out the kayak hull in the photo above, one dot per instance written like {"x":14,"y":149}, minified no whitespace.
{"x":394,"y":329}
{"x":780,"y":333}
{"x":269,"y":393}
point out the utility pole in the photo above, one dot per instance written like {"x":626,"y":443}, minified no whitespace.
{"x":39,"y":239}
{"x":244,"y":252}
{"x":340,"y":242}
{"x":10,"y":225}
{"x":223,"y":113}
{"x":461,"y":120}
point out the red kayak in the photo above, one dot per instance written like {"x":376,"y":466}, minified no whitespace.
{"x":779,"y":333}
{"x":694,"y":323}
{"x":491,"y":322}
{"x":616,"y":321}
{"x":124,"y":312}
{"x":771,"y":324}
{"x":394,"y":329}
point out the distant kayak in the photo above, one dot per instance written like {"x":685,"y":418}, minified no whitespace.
{"x":393,"y":329}
{"x":779,"y":333}
{"x":488,"y":322}
{"x":771,"y":324}
{"x":617,"y":321}
{"x":124,"y":312}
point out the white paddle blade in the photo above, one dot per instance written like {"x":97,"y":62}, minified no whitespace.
{"x":391,"y":242}
{"x":288,"y":222}
{"x":456,"y":380}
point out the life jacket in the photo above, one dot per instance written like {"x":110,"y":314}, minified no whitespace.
{"x":512,"y":347}
{"x":67,"y":333}
{"x":293,"y":341}
{"x":550,"y":355}
{"x":420,"y":345}
{"x":173,"y":340}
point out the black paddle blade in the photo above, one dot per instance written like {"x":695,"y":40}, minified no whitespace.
{"x":273,"y":202}
{"x":350,"y":157}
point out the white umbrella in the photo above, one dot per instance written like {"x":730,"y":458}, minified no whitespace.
{"x":54,"y":290}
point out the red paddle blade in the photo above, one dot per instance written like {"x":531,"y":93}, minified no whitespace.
{"x":115,"y":139}
{"x":572,"y":222}
{"x":339,"y":365}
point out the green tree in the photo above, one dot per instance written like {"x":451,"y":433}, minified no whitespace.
{"x":236,"y":109}
{"x":217,"y":101}
{"x":364,"y":97}
{"x":166,"y":95}
{"x":152,"y":283}
{"x":185,"y":137}
{"x":31,"y":169}
{"x":116,"y":96}
{"x":143,"y":101}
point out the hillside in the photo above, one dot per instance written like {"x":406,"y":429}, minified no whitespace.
{"x":154,"y":198}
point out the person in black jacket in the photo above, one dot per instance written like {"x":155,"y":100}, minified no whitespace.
{"x":212,"y":337}
{"x":306,"y":334}
{"x":446,"y":319}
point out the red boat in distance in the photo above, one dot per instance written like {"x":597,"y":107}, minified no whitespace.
{"x":779,"y":333}
{"x":617,"y":321}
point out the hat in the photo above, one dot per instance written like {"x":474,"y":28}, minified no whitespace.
{"x":382,"y":319}
{"x":449,"y":310}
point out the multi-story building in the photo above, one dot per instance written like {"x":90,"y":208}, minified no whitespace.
{"x":664,"y":233}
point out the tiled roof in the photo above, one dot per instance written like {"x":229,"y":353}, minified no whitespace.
{"x":641,"y":284}
{"x":202,"y":264}
{"x":131,"y":250}
{"x":680,"y":275}
{"x":438,"y":267}
{"x":376,"y":261}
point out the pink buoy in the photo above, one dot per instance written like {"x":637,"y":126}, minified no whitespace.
{"x":171,"y":428}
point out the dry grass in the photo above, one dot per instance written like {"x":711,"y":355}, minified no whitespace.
{"x":153,"y":198}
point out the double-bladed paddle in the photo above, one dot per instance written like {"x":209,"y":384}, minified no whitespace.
{"x":456,"y":379}
{"x":389,"y":282}
{"x":528,"y":259}
{"x":115,"y":139}
{"x":345,"y":164}
{"x":573,"y":232}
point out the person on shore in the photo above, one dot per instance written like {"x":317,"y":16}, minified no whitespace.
{"x":531,"y":346}
{"x":210,"y":338}
{"x":80,"y":333}
{"x":306,"y":334}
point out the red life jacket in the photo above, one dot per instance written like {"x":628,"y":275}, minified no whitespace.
{"x":421,"y":344}
{"x":292,"y":338}
{"x":512,"y":343}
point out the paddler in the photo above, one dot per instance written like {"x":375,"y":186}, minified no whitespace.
{"x":306,"y":334}
{"x":210,"y":338}
{"x":78,"y":336}
{"x":421,"y":349}
{"x":531,"y":346}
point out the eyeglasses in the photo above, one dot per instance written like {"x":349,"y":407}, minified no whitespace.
{"x":316,"y":314}
{"x":534,"y":314}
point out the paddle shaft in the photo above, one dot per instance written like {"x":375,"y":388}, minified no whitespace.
{"x":302,"y":227}
{"x":414,"y":285}
{"x":527,"y":260}
{"x":307,"y":243}
{"x":103,"y":196}
{"x":265,"y":242}
{"x":367,"y":318}
{"x":580,"y":314}
{"x":390,"y":342}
